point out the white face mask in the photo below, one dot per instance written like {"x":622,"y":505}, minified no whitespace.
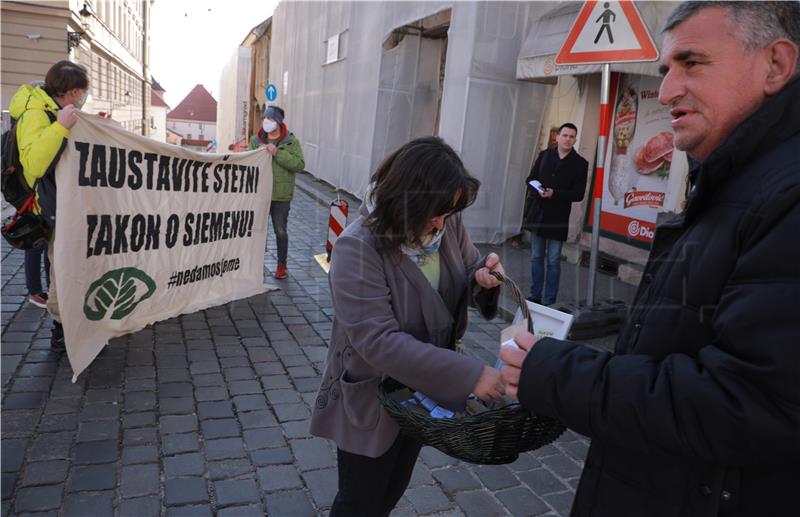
{"x":82,"y":99}
{"x":269,"y":125}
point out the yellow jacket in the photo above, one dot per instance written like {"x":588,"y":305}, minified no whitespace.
{"x":38,"y":139}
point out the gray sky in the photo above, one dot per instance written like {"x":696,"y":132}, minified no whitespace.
{"x":192,"y":40}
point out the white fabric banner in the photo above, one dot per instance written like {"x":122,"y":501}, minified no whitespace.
{"x":146,"y":231}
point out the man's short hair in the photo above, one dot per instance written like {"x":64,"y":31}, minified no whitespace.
{"x":758,"y":23}
{"x":65,"y":76}
{"x":569,"y":125}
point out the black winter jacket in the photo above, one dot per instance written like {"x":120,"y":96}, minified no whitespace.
{"x":549,"y":217}
{"x":698,"y":412}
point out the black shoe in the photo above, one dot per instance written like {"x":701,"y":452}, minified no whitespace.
{"x":534,"y":300}
{"x":57,"y":343}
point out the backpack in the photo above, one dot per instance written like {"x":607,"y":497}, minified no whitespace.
{"x":12,"y":183}
{"x":25,"y":229}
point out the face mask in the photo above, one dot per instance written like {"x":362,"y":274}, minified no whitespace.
{"x":82,"y":99}
{"x":269,"y":125}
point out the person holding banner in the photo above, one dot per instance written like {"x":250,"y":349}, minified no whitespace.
{"x":698,"y":411}
{"x":287,"y":161}
{"x":41,"y":140}
{"x":402,"y":276}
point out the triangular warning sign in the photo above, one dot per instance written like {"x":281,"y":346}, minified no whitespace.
{"x":607,"y":32}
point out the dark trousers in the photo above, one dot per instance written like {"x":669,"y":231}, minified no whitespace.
{"x":279,"y":214}
{"x":33,"y":270}
{"x":371,"y":487}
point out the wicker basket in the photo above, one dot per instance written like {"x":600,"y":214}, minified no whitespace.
{"x":493,"y":437}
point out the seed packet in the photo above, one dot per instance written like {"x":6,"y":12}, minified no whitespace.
{"x":507,"y":338}
{"x":440,"y":412}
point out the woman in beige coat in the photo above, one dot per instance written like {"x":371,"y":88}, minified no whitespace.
{"x":402,"y":276}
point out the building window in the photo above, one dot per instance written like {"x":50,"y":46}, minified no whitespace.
{"x":332,"y":52}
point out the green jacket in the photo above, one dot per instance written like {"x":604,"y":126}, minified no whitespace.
{"x":39,"y":141}
{"x":286,"y":163}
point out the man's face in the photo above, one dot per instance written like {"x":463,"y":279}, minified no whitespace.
{"x":710,"y":82}
{"x":566,"y":139}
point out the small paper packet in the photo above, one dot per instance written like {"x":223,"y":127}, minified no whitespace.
{"x":507,"y":338}
{"x":508,"y":333}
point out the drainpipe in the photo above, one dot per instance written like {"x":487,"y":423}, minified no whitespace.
{"x":145,"y":100}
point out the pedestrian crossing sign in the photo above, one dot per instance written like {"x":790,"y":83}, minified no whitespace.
{"x":607,"y":32}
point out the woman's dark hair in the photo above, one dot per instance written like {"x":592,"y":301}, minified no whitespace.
{"x":65,"y":76}
{"x":423,"y":179}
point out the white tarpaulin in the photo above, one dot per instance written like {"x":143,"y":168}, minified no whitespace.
{"x":147,"y":231}
{"x":350,"y":113}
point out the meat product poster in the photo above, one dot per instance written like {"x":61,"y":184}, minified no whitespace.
{"x":644,"y":173}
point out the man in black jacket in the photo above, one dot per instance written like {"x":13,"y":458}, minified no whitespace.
{"x":557,"y":179}
{"x":698,"y":412}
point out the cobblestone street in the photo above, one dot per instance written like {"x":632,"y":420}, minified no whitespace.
{"x":207,"y":413}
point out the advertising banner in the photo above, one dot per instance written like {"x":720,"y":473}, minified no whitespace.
{"x":641,"y":159}
{"x":147,"y":231}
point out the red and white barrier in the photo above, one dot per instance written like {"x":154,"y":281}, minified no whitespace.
{"x":336,"y":223}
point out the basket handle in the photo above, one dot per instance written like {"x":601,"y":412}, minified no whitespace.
{"x":519,"y":298}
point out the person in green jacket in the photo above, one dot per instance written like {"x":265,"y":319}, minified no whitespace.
{"x":287,"y":161}
{"x":45,"y":115}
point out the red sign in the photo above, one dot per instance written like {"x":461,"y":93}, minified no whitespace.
{"x":607,"y":32}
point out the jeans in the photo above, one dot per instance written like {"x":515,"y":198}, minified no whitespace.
{"x":540,"y":248}
{"x":33,"y":270}
{"x":279,"y":213}
{"x":371,"y":487}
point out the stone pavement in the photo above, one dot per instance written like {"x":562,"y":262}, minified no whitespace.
{"x":207,"y":413}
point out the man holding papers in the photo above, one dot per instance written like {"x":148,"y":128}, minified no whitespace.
{"x":557,"y":179}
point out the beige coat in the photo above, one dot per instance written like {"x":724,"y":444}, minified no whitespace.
{"x":389,"y":321}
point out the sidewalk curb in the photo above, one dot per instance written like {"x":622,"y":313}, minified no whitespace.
{"x":305,"y":182}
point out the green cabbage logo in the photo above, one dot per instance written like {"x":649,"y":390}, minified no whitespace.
{"x":118,"y":291}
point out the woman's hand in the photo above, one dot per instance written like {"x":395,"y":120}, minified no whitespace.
{"x":490,"y":384}
{"x":272,"y":149}
{"x":482,"y":275}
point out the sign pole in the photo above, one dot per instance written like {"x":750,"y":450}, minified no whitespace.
{"x":602,"y":140}
{"x":603,"y":33}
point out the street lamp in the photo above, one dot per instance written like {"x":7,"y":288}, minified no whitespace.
{"x":74,"y":37}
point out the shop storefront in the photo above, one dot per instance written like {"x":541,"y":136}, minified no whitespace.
{"x":645,"y":177}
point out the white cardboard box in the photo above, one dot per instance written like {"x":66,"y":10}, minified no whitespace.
{"x":547,"y":322}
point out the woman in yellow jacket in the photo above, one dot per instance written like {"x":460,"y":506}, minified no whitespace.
{"x":41,"y":140}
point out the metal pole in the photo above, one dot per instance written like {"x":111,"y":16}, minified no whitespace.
{"x":145,"y":66}
{"x":605,"y":118}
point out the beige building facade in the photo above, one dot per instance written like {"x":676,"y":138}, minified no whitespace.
{"x":109,"y":37}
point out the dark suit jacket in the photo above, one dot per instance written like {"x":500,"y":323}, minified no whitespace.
{"x":549,"y":218}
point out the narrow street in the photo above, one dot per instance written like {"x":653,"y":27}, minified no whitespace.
{"x":207,"y":413}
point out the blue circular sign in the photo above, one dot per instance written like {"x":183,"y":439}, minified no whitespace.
{"x":271,"y":92}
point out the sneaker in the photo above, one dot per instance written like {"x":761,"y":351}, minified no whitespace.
{"x":281,"y":272}
{"x":57,"y":338}
{"x":39,"y":300}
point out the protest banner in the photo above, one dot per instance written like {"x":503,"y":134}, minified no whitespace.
{"x":146,"y":231}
